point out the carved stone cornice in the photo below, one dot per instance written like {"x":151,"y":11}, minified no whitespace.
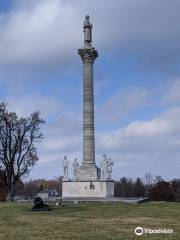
{"x":88,"y":54}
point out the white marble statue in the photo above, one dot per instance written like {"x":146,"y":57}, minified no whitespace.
{"x":75,"y":167}
{"x":104,"y":168}
{"x":87,"y":32}
{"x":109,"y":169}
{"x":65,"y":167}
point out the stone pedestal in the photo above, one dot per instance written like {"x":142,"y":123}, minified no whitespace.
{"x":87,"y":189}
{"x":88,"y":173}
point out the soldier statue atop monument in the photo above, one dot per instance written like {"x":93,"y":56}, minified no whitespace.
{"x":87,"y":32}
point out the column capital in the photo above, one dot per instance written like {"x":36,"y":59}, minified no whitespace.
{"x":88,"y":54}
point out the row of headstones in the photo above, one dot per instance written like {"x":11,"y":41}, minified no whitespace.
{"x":106,"y":168}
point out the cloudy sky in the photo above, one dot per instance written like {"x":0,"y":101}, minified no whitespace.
{"x":136,"y":78}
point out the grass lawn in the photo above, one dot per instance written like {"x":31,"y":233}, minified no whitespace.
{"x":89,"y":221}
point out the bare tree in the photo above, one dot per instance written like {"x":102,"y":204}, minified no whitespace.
{"x":148,"y":182}
{"x":18,"y":153}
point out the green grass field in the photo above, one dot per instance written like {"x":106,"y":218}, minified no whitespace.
{"x":88,"y":221}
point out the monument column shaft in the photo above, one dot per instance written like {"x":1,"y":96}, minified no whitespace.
{"x":88,"y":113}
{"x":88,"y":171}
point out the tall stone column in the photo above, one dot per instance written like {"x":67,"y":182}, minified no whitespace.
{"x":87,"y":182}
{"x":88,"y":170}
{"x":88,"y":56}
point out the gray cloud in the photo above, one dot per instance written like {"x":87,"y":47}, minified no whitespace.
{"x":46,"y":33}
{"x":172,"y":93}
{"x":123,"y":103}
{"x":159,"y":130}
{"x":145,"y":146}
{"x":36,"y":35}
{"x":27,"y":104}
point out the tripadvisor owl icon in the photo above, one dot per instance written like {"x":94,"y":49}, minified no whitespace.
{"x":138,"y":231}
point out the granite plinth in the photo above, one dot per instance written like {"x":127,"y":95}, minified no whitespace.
{"x":88,"y":189}
{"x":88,"y":172}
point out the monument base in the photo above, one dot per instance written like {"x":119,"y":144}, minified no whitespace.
{"x":88,"y":172}
{"x":87,"y":189}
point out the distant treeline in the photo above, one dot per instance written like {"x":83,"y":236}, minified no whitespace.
{"x":155,"y":189}
{"x":32,"y":187}
{"x":29,"y":189}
